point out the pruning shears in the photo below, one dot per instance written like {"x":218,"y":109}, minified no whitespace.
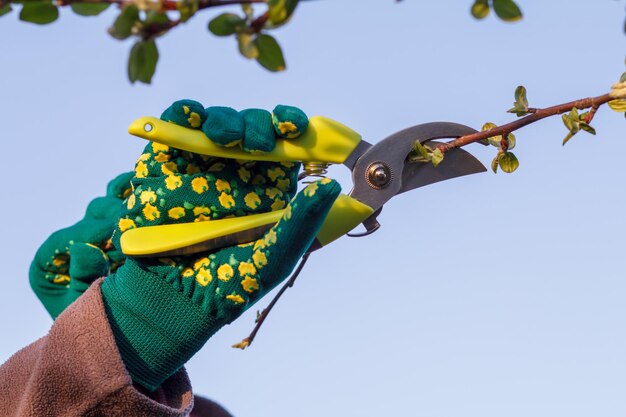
{"x":379,"y":172}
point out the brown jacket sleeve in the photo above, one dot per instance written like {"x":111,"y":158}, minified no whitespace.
{"x":76,"y":370}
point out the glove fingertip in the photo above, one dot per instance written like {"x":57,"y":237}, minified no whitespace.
{"x":320,"y":193}
{"x":119,"y":187}
{"x":187,"y":113}
{"x":87,"y":262}
{"x":224,"y":126}
{"x":259,"y":131}
{"x":289,"y":122}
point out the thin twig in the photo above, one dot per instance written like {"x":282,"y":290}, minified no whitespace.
{"x":204,"y":4}
{"x":154,"y":30}
{"x":593,"y":102}
{"x":589,"y":117}
{"x":258,"y":23}
{"x":263,"y":315}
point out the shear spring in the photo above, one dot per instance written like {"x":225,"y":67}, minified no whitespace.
{"x":313,"y":169}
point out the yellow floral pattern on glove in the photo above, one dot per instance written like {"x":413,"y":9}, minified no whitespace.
{"x":204,"y":277}
{"x":235,"y":298}
{"x":175,"y":186}
{"x":126,"y":224}
{"x":199,"y":185}
{"x":249,"y":284}
{"x":225,"y":272}
{"x":176,"y":212}
{"x":246,"y":268}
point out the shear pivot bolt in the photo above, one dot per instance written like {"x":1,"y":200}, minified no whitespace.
{"x":379,"y":175}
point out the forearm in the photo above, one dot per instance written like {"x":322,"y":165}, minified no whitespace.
{"x":76,"y":369}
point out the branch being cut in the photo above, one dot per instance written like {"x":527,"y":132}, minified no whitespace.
{"x":536,"y":114}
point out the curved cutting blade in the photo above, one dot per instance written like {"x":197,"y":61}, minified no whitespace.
{"x":404,"y":176}
{"x":456,"y":163}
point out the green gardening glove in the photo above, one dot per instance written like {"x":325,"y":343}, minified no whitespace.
{"x":72,"y":258}
{"x":163,"y":310}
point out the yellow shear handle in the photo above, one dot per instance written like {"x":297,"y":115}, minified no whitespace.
{"x":186,"y":238}
{"x":325,"y":140}
{"x":345,"y":214}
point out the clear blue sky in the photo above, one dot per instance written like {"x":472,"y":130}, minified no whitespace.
{"x":491,"y":295}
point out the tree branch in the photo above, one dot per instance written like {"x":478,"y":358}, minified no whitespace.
{"x":537,"y":114}
{"x":168,"y":5}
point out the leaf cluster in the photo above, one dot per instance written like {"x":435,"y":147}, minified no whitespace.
{"x":43,"y":12}
{"x":575,"y":122}
{"x":505,"y":159}
{"x":251,"y":32}
{"x":520,"y":106}
{"x":425,"y":154}
{"x":146,"y":20}
{"x":507,"y":10}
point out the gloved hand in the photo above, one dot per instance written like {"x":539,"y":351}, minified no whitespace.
{"x":162,"y":311}
{"x":72,"y":258}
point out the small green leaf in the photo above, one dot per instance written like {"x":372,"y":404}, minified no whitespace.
{"x":5,"y":9}
{"x":572,"y":121}
{"x":89,"y":9}
{"x":622,"y":78}
{"x":421,"y":150}
{"x":510,"y":139}
{"x":480,"y":9}
{"x":584,"y":126}
{"x":507,"y":10}
{"x":508,"y":162}
{"x":618,"y":105}
{"x":436,"y":157}
{"x":494,"y":164}
{"x":567,"y":122}
{"x":40,"y":13}
{"x":142,"y":61}
{"x":495,"y":141}
{"x":247,"y":46}
{"x":270,"y":55}
{"x":226,"y":24}
{"x":280,"y":11}
{"x":520,"y":96}
{"x":123,"y":25}
{"x":568,"y":137}
{"x":419,"y":153}
{"x":519,"y":111}
{"x":487,"y":126}
{"x":574,"y":124}
{"x":520,"y":106}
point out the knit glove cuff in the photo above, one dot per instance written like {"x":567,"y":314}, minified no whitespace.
{"x":153,"y":335}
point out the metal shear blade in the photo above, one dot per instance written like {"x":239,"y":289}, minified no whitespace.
{"x":382,"y":171}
